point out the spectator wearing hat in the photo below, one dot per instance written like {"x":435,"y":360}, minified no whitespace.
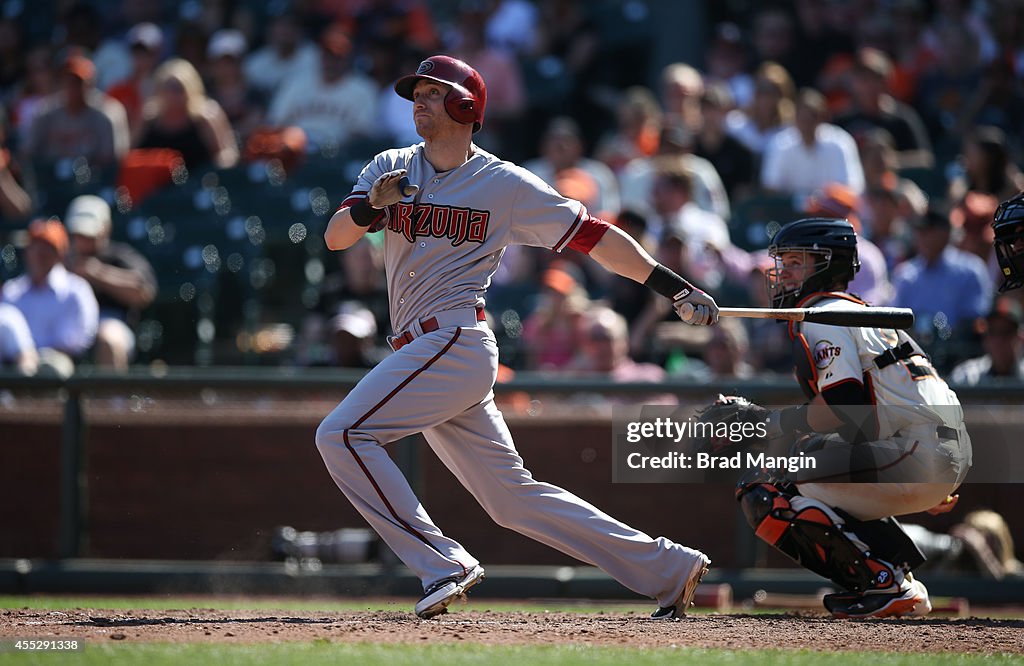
{"x":812,"y":153}
{"x":243,"y":104}
{"x":121,"y":279}
{"x":552,"y":332}
{"x":561,"y":151}
{"x":353,"y":330}
{"x":78,"y":120}
{"x":58,"y":306}
{"x":1003,"y":344}
{"x":181,"y":116}
{"x":332,"y":105}
{"x":872,"y":280}
{"x":872,"y":107}
{"x":286,"y":55}
{"x":145,"y":41}
{"x":943,"y":285}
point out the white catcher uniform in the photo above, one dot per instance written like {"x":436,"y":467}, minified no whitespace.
{"x":919,"y":431}
{"x":441,"y":248}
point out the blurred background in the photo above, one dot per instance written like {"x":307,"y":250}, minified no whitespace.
{"x":194,"y":151}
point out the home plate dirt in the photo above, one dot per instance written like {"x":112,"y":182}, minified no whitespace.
{"x":796,"y":631}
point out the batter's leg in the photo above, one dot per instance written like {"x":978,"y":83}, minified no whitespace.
{"x":406,"y":393}
{"x":477,"y":447}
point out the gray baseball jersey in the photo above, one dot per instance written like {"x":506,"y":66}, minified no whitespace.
{"x":443,"y":245}
{"x":441,"y":250}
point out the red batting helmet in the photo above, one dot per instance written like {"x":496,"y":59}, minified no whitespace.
{"x":465,"y":102}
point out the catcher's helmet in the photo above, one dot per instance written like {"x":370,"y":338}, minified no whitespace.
{"x":465,"y":102}
{"x":832,"y":243}
{"x":1008,"y":224}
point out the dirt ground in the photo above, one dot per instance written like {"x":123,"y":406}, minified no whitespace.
{"x":792,"y":630}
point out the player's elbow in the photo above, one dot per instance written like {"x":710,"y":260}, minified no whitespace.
{"x":339,"y":234}
{"x":334,"y":243}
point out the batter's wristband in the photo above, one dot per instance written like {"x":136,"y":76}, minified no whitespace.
{"x":363,"y":214}
{"x":665,"y":282}
{"x":794,"y":419}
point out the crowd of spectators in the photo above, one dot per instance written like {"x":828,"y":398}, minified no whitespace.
{"x":810,"y":103}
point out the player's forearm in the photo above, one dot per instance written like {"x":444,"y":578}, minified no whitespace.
{"x":619,"y":253}
{"x":342,"y":233}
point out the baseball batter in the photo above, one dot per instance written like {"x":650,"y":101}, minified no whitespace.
{"x":878,"y":415}
{"x":445,"y":232}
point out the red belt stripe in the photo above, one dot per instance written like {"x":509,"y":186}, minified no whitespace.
{"x":429,"y":326}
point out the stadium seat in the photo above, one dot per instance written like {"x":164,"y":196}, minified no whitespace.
{"x":55,"y":184}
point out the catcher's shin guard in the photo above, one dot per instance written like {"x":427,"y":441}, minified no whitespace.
{"x":818,"y":538}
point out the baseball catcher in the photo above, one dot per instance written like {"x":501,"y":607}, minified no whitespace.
{"x":885,"y":430}
{"x":1008,"y":226}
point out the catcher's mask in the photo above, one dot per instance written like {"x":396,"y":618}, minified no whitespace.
{"x":829,"y":258}
{"x":1008,"y":225}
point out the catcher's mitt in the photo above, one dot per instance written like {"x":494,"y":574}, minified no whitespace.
{"x":721,"y":420}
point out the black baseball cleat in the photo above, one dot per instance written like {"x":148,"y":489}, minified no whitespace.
{"x":441,"y":594}
{"x":685,"y":599}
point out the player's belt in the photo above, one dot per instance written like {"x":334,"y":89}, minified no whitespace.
{"x":431,"y":324}
{"x":945,"y":432}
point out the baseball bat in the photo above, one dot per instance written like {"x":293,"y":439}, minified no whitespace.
{"x":405,"y":187}
{"x":899,"y":318}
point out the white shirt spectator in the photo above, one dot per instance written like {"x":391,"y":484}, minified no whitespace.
{"x":15,"y":336}
{"x":266,"y":70}
{"x":328,"y":113}
{"x":62,"y":314}
{"x":792,"y":167}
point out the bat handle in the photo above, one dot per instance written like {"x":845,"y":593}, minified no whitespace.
{"x":685,"y":311}
{"x":405,"y":187}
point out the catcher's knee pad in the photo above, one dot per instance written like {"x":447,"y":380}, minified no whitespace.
{"x":814,"y":535}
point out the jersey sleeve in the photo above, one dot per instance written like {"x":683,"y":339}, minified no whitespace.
{"x":541,"y":217}
{"x":833,"y":353}
{"x":377,"y":167}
